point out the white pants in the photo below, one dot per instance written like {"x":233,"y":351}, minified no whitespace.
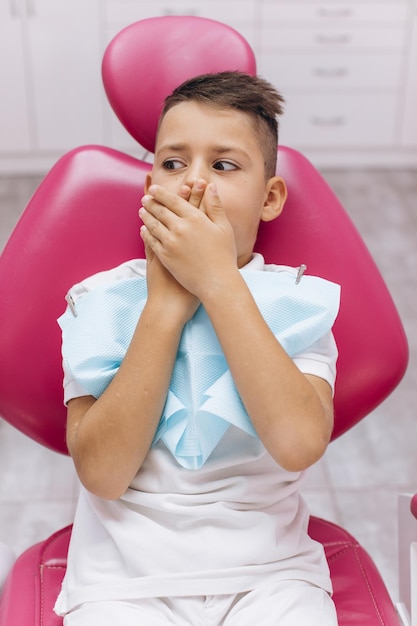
{"x":286,"y":603}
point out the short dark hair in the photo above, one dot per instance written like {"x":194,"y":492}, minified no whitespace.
{"x":252,"y":95}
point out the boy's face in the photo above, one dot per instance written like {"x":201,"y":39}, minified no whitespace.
{"x":219,"y":145}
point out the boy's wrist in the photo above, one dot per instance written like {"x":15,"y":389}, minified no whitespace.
{"x":221,"y":289}
{"x":170,"y":312}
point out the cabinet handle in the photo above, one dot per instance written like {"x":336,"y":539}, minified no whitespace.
{"x":178,"y":11}
{"x":332,"y":121}
{"x":14,"y":10}
{"x":330,"y":72}
{"x":335,"y":13}
{"x":19,"y":8}
{"x":333,"y":40}
{"x":31,"y":8}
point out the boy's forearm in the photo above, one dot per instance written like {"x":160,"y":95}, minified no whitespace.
{"x":292,"y":417}
{"x":110,"y":437}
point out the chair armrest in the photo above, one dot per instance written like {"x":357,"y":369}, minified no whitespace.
{"x":413,"y":505}
{"x":407,"y":558}
{"x":413,"y":563}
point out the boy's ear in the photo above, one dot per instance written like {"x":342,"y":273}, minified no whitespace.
{"x":148,"y":183}
{"x":276,"y":194}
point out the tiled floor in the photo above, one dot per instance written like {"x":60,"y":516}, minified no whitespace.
{"x":357,"y":483}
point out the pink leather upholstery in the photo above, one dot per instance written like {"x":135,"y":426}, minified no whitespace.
{"x":360,"y":595}
{"x":139,"y":70}
{"x":83,"y":219}
{"x":30,"y":592}
{"x":413,"y":505}
{"x":89,"y":222}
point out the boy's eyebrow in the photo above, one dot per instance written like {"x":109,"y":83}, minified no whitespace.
{"x":174,"y":147}
{"x":225,"y":149}
{"x":219,"y":149}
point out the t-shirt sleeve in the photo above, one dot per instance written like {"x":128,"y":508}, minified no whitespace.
{"x":320,"y":359}
{"x":132,"y":268}
{"x":72,"y":388}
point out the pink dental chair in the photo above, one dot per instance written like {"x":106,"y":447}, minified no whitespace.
{"x":83,"y":219}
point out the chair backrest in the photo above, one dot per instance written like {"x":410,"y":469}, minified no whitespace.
{"x":83,"y":219}
{"x":315,"y":229}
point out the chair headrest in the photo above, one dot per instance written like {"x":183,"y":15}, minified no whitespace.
{"x":147,"y":60}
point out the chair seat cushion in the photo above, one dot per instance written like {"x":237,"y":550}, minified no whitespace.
{"x":33,"y":585}
{"x":360,"y":595}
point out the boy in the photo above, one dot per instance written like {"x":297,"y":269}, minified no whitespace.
{"x":195,"y":517}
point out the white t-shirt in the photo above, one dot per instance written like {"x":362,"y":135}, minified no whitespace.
{"x":227,"y":527}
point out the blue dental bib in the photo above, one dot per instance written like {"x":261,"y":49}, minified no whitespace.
{"x":202,"y":401}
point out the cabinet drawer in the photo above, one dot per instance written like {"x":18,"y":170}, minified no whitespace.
{"x":319,"y":71}
{"x":332,"y":12}
{"x":239,"y":14}
{"x":360,"y":121}
{"x":278,"y":36}
{"x":237,"y":10}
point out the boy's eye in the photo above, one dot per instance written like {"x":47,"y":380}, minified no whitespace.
{"x":172,"y":164}
{"x":225,"y":166}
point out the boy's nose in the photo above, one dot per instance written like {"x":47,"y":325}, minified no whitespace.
{"x":194,"y":173}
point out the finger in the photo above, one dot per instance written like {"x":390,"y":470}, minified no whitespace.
{"x":197,"y":193}
{"x":149,"y":253}
{"x":151,"y":243}
{"x":153,"y":225}
{"x":161,"y":203}
{"x":185,"y":192}
{"x":154,"y":214}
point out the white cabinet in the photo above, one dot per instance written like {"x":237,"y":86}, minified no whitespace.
{"x":14,"y":120}
{"x":408,"y":127}
{"x":51,"y":93}
{"x":342,"y":68}
{"x":64,"y":41}
{"x":347,"y":70}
